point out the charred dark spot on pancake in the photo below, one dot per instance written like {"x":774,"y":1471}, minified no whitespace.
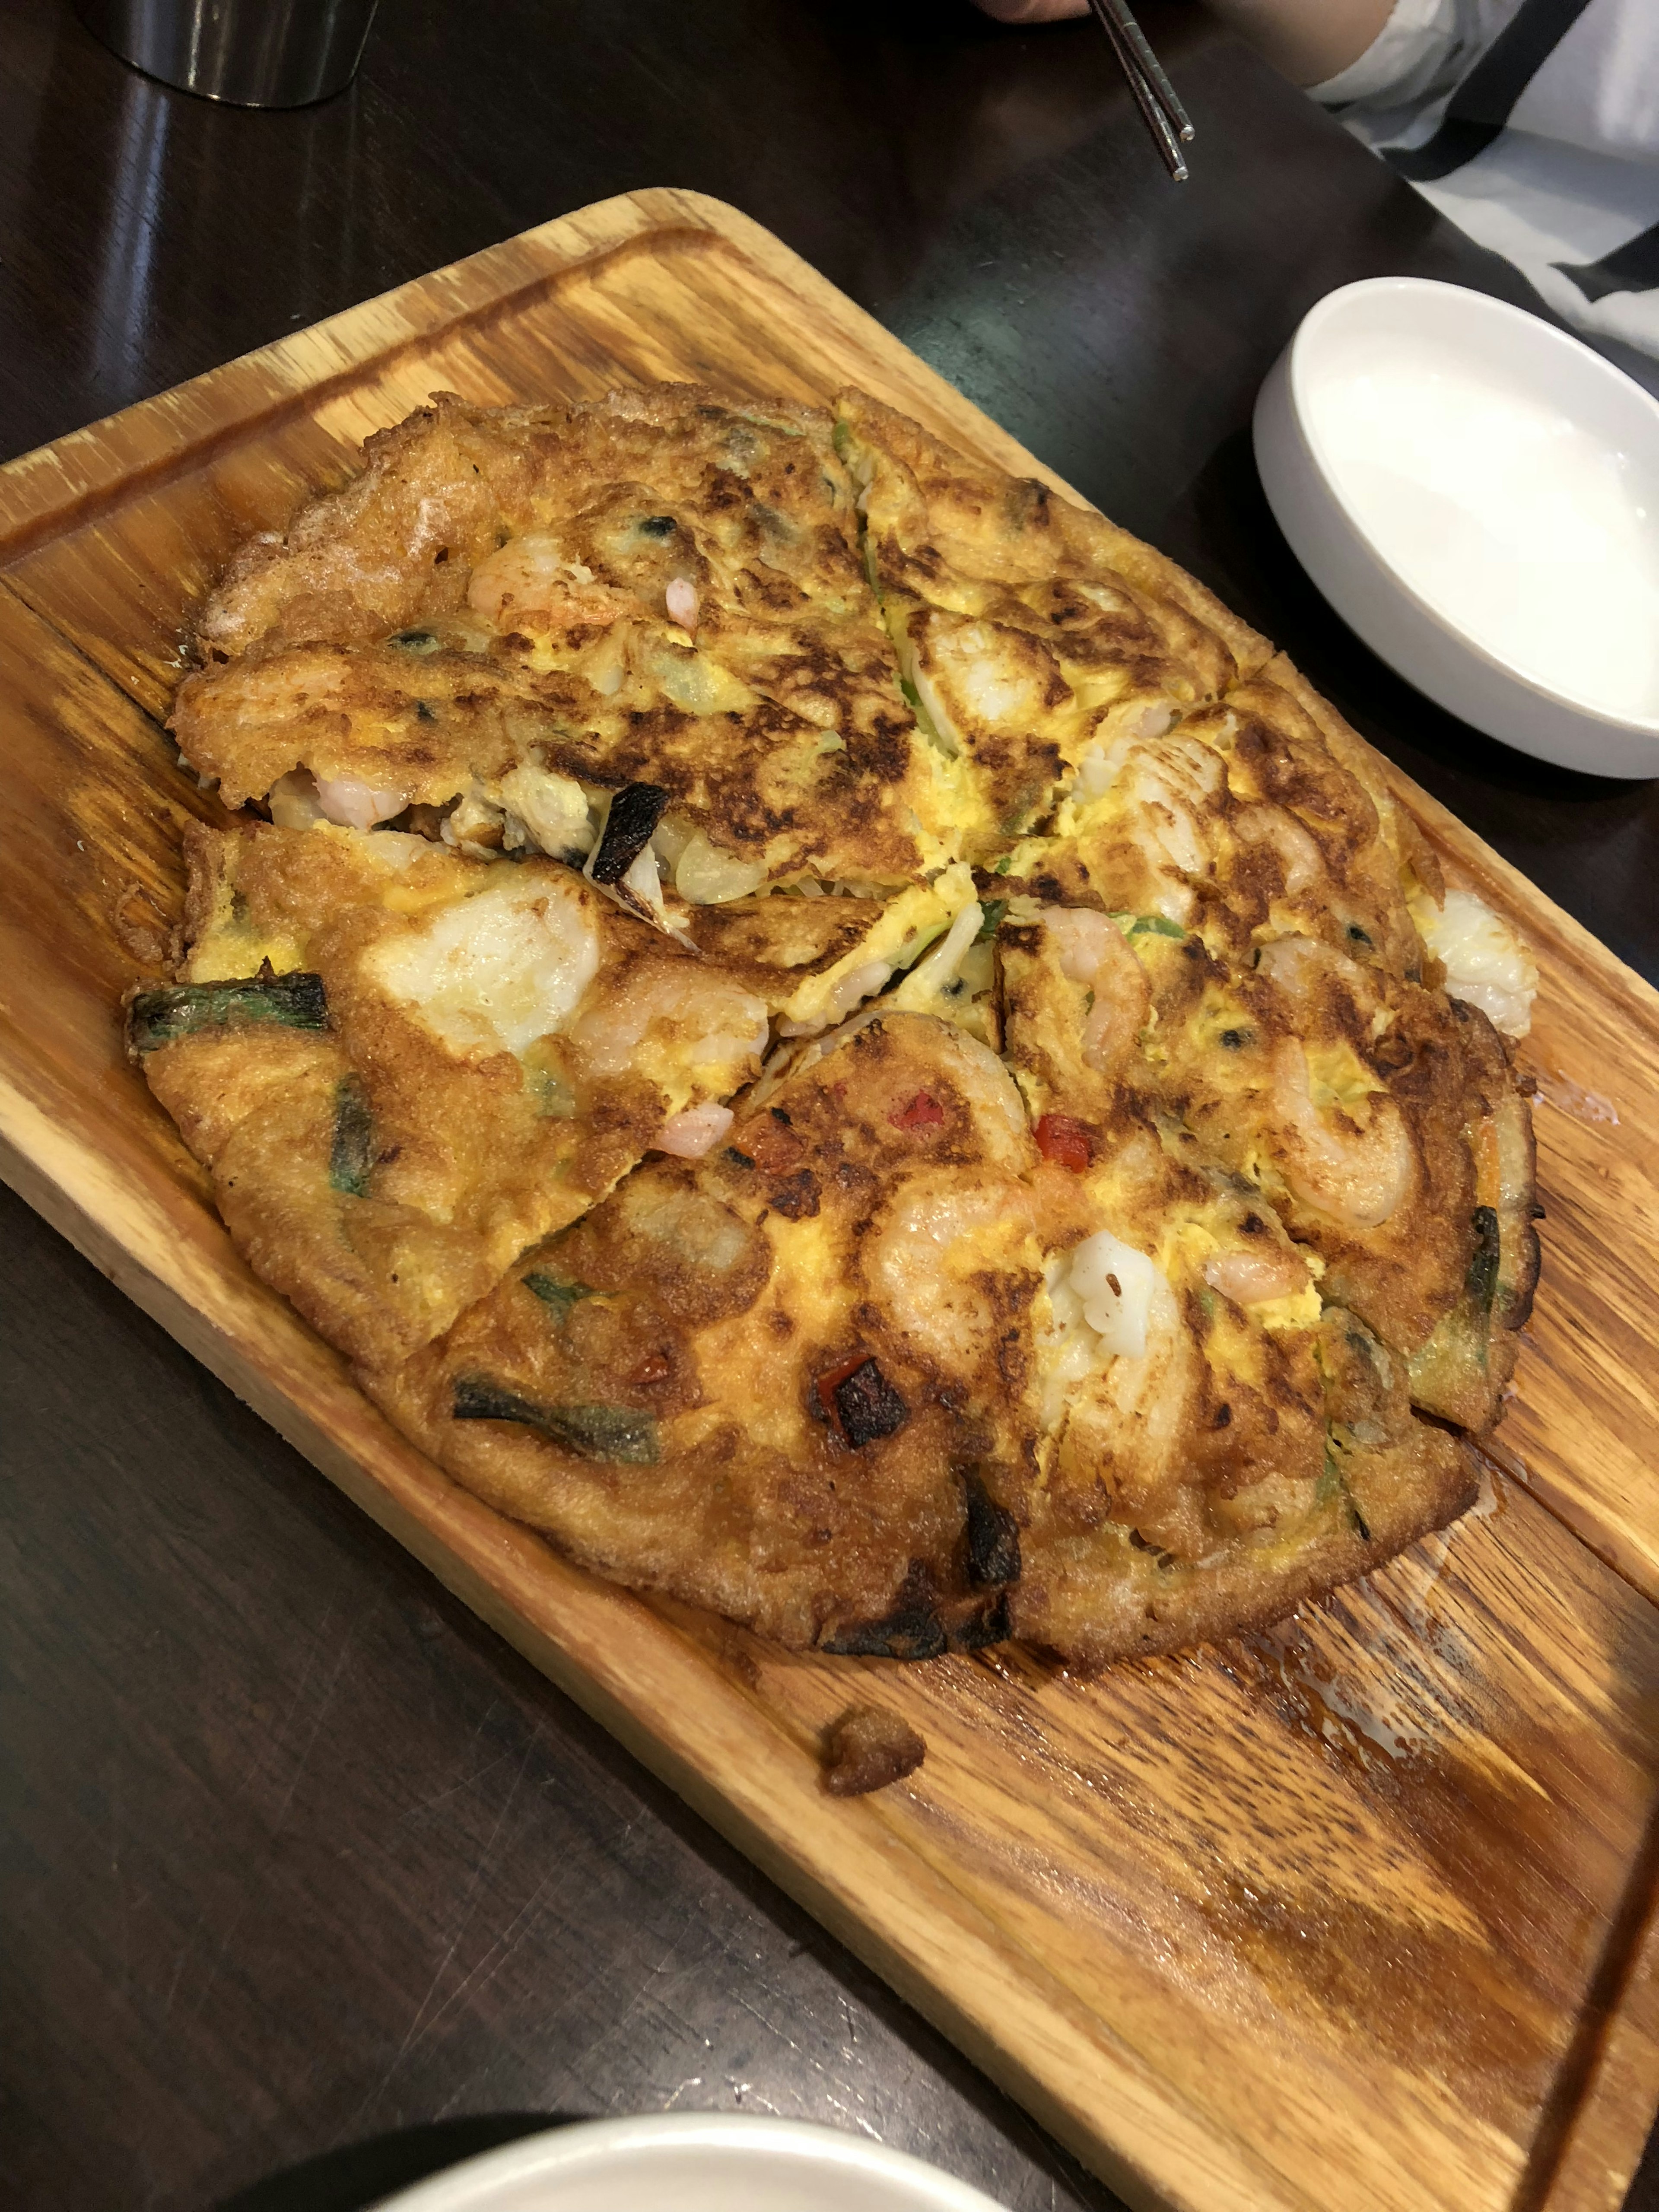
{"x":796,"y":1198}
{"x":737,"y":1159}
{"x":1028,"y":504}
{"x":1481,"y":1282}
{"x":1235,"y":1040}
{"x":351,"y":1154}
{"x":911,"y":1632}
{"x":658,"y":525}
{"x":860,"y":1401}
{"x":600,"y":1432}
{"x":992,"y":1538}
{"x":634,"y":812}
{"x":416,"y":641}
{"x":979,"y":1630}
{"x":1164,"y":1560}
{"x":1223,"y":1415}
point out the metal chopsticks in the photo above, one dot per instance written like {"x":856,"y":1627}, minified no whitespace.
{"x":1155,"y":96}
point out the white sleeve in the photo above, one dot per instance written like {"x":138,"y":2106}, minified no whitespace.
{"x":1418,"y":54}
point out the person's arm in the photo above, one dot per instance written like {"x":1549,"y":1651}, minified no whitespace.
{"x":1306,"y":40}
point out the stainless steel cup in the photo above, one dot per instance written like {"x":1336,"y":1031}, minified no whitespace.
{"x":253,"y":53}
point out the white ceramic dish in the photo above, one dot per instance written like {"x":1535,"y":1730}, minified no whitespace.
{"x":1477,"y":494}
{"x":691,"y":2162}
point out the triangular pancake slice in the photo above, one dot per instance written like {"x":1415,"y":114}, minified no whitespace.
{"x":515,"y":614}
{"x":1219,"y":1440}
{"x":788,"y":1383}
{"x":401,"y":1066}
{"x":1033,"y":635}
{"x":1382,"y":1119}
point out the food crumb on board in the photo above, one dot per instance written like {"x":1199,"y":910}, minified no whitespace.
{"x":867,"y":1748}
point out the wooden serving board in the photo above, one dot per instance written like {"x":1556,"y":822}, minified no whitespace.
{"x":1353,"y":1916}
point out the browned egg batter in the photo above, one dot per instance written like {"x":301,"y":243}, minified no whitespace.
{"x":826,"y":1028}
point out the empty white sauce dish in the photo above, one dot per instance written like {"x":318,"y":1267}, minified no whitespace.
{"x":692,"y":2162}
{"x":1477,"y":494}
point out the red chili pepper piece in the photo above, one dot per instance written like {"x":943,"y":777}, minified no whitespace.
{"x":1066,"y":1142}
{"x":922,"y":1113}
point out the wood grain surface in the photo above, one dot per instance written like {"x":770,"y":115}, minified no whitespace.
{"x":1354,"y":1913}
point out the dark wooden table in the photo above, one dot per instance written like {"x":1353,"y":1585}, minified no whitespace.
{"x":307,"y":1884}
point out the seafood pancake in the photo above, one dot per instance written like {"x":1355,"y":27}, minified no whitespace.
{"x":1037,"y":1150}
{"x":1032,"y":635}
{"x":516,"y":612}
{"x":1218,"y":1437}
{"x":401,"y":1066}
{"x":786,"y":1382}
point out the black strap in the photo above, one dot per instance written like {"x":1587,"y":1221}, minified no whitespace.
{"x":1631,"y":267}
{"x":1483,"y":103}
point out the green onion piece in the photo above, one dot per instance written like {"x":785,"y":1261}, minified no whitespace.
{"x":991,"y":913}
{"x":601,"y":1432}
{"x":295,"y":1001}
{"x":558,"y":1297}
{"x":352,"y":1154}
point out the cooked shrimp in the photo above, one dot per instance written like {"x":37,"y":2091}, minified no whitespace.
{"x":683,"y":1016}
{"x":356,"y":805}
{"x":1250,"y":1279}
{"x":1164,"y":798}
{"x":1126,"y":1421}
{"x":936,"y":1244}
{"x":695,"y":1131}
{"x":294,"y":802}
{"x":1300,"y":965}
{"x":1300,"y":857}
{"x":681,"y":601}
{"x":531,"y":584}
{"x":1093,"y":950}
{"x":1099,"y":762}
{"x":1486,"y":964}
{"x":1359,"y":1172}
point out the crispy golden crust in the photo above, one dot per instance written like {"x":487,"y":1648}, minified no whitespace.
{"x":396,"y":547}
{"x":260,"y":1109}
{"x":1090,"y":1618}
{"x":1116,"y":1340}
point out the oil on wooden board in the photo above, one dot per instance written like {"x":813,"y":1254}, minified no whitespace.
{"x":1356,"y":1912}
